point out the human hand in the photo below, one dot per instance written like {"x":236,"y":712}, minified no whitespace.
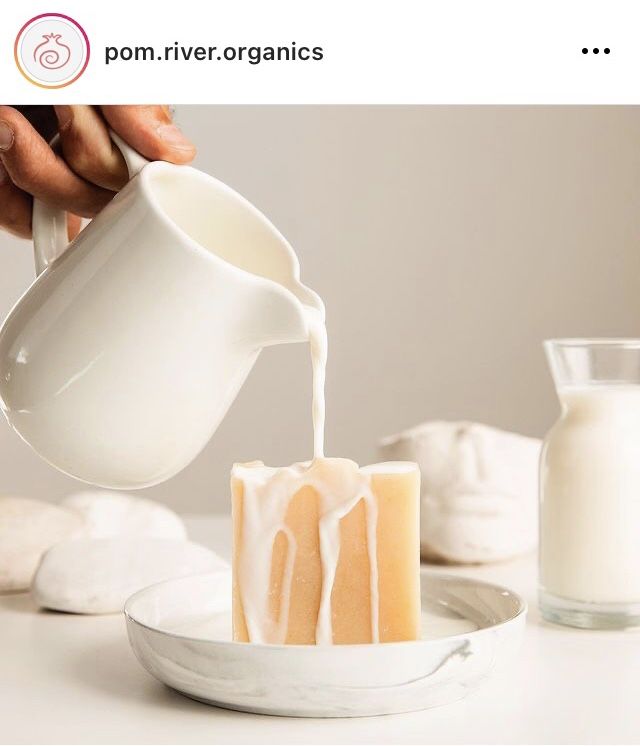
{"x":89,"y":169}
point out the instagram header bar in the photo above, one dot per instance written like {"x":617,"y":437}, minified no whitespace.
{"x":352,"y":51}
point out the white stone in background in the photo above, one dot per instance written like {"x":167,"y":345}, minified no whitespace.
{"x":96,"y":576}
{"x":109,"y":514}
{"x":27,"y":529}
{"x":479,"y":493}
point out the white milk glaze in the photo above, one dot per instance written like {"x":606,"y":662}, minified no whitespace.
{"x":340,"y":485}
{"x":267,"y":493}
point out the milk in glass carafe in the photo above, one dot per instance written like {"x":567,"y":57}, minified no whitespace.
{"x":590,"y":486}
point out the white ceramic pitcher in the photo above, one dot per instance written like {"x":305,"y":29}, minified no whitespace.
{"x":121,"y":359}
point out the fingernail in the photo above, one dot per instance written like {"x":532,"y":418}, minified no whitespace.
{"x":65,"y":116}
{"x":6,"y":136}
{"x":172,"y":136}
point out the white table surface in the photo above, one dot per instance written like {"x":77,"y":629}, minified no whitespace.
{"x":74,"y":679}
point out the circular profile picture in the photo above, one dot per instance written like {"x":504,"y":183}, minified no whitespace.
{"x":52,"y":50}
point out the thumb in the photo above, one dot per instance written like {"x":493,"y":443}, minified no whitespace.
{"x":151,"y":131}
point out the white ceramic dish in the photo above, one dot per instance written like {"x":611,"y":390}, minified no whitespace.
{"x":180,"y":631}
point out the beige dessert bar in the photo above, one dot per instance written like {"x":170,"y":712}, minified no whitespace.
{"x":326,"y":552}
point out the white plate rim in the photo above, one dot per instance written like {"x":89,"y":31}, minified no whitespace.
{"x":518,"y":617}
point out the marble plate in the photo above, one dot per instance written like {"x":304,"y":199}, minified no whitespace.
{"x":180,"y":631}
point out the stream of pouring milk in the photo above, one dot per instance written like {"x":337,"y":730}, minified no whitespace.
{"x":318,"y":345}
{"x":267,"y":494}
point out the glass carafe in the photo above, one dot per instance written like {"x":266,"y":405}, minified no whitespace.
{"x":590,"y":486}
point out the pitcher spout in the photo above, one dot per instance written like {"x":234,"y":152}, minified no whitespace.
{"x":282,"y":315}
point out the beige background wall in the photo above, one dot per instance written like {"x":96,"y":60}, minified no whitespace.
{"x":447,"y":242}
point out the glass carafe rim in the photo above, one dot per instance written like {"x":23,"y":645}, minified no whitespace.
{"x":593,"y":361}
{"x":622,"y":342}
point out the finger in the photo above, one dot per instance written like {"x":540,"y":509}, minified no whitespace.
{"x":150,"y":130}
{"x":36,"y":169}
{"x":15,"y":207}
{"x":74,"y":225}
{"x":88,"y":149}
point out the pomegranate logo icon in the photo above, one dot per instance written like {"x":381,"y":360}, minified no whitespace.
{"x":47,"y":54}
{"x":52,"y":50}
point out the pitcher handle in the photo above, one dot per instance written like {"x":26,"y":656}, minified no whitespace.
{"x":50,"y":238}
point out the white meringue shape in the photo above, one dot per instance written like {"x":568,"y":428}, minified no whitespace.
{"x":27,"y":529}
{"x":96,"y":576}
{"x":109,"y":514}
